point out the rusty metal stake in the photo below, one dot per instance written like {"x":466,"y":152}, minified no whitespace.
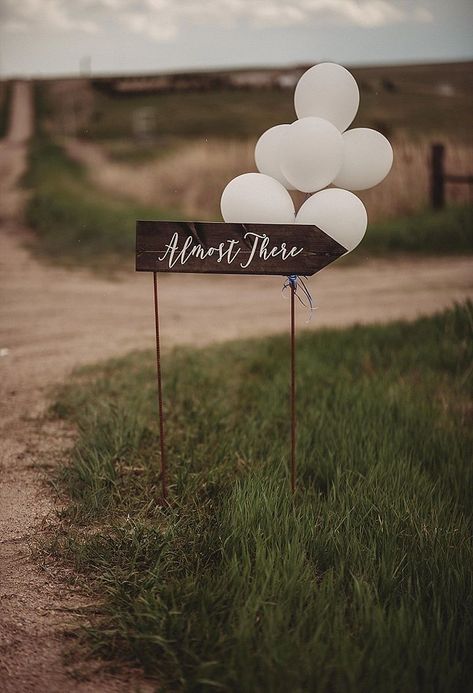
{"x":293,"y":391}
{"x":160,"y":390}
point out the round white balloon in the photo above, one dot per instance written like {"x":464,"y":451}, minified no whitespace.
{"x":311,"y":153}
{"x":339,"y":213}
{"x":367,"y":159}
{"x":268,"y":154}
{"x":258,"y":199}
{"x":327,"y":91}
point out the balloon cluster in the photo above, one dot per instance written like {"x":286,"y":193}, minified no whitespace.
{"x":310,"y":154}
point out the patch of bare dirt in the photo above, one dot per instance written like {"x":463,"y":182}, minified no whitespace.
{"x":52,"y":320}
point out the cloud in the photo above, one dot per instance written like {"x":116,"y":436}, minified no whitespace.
{"x":161,"y":20}
{"x":370,"y":13}
{"x":140,"y":23}
{"x":49,"y":14}
{"x":423,"y":14}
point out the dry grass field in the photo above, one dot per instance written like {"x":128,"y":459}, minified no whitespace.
{"x":191,"y":177}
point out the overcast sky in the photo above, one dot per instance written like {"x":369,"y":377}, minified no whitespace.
{"x":40,"y":37}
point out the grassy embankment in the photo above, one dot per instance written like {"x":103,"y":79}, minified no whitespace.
{"x":75,"y":222}
{"x":362,"y":582}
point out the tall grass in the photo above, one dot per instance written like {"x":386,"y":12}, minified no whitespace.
{"x":192,"y":177}
{"x":361,"y":582}
{"x":75,"y":222}
{"x":406,"y":190}
{"x":84,"y":204}
{"x":205,"y":139}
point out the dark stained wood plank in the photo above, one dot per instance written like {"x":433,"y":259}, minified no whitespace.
{"x":221,"y":248}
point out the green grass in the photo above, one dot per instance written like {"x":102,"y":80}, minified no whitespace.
{"x":361,"y":582}
{"x":75,"y":223}
{"x":216,"y":113}
{"x":430,"y":232}
{"x":396,"y":99}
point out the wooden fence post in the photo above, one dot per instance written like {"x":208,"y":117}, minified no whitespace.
{"x":437,"y":180}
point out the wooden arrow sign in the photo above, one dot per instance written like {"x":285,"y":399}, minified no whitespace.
{"x":221,"y":248}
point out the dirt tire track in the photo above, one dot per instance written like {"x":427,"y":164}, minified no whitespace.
{"x":52,"y":320}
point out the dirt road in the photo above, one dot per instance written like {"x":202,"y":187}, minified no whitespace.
{"x":37,"y":609}
{"x":52,"y":320}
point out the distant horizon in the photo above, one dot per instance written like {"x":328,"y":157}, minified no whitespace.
{"x":234,"y":68}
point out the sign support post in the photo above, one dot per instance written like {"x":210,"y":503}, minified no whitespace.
{"x":293,"y":390}
{"x":164,"y":483}
{"x":287,"y":250}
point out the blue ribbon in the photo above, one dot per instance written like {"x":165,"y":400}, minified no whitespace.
{"x":297,"y":283}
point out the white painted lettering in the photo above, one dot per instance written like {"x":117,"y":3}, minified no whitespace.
{"x":227,"y":251}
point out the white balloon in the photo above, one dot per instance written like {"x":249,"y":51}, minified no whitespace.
{"x":328,"y":91}
{"x":258,"y":199}
{"x":339,"y":213}
{"x":367,"y":159}
{"x":268,"y":154}
{"x":311,"y":153}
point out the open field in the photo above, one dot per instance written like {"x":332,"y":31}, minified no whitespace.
{"x":199,"y":140}
{"x":360,"y":582}
{"x":414,"y":101}
{"x":53,"y":319}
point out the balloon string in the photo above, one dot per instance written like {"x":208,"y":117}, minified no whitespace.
{"x":298,"y":284}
